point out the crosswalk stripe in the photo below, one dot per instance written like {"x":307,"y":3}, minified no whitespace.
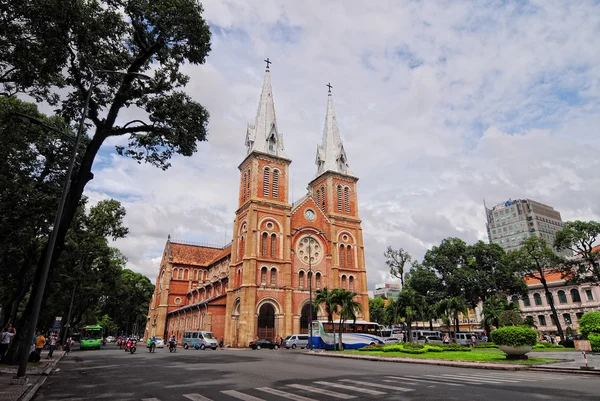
{"x":467,"y":379}
{"x":322,"y":391}
{"x":196,"y":397}
{"x":483,"y":378}
{"x":385,"y":386}
{"x":284,"y":394}
{"x":241,"y":396}
{"x":345,"y":387}
{"x":499,"y":377}
{"x":413,"y":379}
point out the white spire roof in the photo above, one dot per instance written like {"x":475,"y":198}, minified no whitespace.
{"x":330,"y":154}
{"x":264,"y":136}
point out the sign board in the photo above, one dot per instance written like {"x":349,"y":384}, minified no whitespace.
{"x":583,"y":345}
{"x":57,"y":322}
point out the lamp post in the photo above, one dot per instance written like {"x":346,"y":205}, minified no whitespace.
{"x":39,"y":294}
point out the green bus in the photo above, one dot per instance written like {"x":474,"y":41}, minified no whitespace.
{"x":91,"y":337}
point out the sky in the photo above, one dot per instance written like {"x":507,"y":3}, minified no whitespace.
{"x":441,"y":104}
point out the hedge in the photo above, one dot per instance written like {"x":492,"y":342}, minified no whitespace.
{"x":590,"y":323}
{"x":547,"y":345}
{"x":486,"y":345}
{"x":595,"y":342}
{"x":516,"y":336}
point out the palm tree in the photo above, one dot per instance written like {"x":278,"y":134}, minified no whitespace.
{"x":328,"y":298}
{"x":492,"y":308}
{"x":451,"y":308}
{"x":348,"y":308}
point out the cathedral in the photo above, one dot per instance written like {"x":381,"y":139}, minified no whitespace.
{"x":259,"y":285}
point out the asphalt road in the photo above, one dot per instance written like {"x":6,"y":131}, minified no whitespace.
{"x":228,"y":375}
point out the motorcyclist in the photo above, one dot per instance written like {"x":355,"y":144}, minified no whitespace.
{"x":172,"y":341}
{"x":152,"y":342}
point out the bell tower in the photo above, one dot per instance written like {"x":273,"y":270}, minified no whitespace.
{"x":261,"y":228}
{"x":334,"y":190}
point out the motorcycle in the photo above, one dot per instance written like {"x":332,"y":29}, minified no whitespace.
{"x":151,"y":347}
{"x":172,"y":346}
{"x":131,"y":346}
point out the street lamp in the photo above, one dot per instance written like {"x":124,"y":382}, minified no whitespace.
{"x":39,"y":294}
{"x":310,"y":277}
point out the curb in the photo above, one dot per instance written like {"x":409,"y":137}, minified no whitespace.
{"x":472,"y":365}
{"x":30,"y":392}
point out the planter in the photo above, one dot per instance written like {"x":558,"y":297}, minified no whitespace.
{"x":513,"y":352}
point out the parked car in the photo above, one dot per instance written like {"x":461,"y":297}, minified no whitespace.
{"x":262,"y":343}
{"x":110,"y":339}
{"x":430,"y":340}
{"x":160,"y":343}
{"x":296,"y":341}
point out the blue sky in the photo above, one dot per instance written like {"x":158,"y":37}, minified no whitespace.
{"x":440,"y":104}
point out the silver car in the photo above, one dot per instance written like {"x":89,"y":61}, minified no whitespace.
{"x":296,"y":341}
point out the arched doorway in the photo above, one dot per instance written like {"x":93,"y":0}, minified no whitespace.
{"x":266,"y":322}
{"x":305,"y":317}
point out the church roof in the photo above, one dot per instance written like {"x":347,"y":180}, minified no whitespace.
{"x":331,"y":155}
{"x":264,"y":136}
{"x":197,"y":255}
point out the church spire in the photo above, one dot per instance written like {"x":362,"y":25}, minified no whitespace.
{"x":330,"y":154}
{"x":264,"y":135}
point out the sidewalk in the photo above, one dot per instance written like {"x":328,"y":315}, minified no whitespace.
{"x":570,"y":362}
{"x":36,"y":374}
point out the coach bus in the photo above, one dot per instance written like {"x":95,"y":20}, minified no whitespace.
{"x":355,"y":335}
{"x":91,"y":337}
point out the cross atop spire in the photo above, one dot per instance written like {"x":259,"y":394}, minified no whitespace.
{"x":331,"y":155}
{"x":269,"y":62}
{"x":264,"y":136}
{"x":329,"y":86}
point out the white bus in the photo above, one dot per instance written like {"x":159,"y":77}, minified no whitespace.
{"x":354,"y":334}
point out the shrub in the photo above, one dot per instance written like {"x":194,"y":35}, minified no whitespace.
{"x":414,"y":351}
{"x":510,"y":318}
{"x":455,"y":347}
{"x":547,"y":345}
{"x":516,"y":336}
{"x":590,"y":323}
{"x":567,"y":343}
{"x":433,"y":348}
{"x":375,"y":347}
{"x":595,"y":342}
{"x":413,"y":346}
{"x":486,"y":345}
{"x":393,"y":348}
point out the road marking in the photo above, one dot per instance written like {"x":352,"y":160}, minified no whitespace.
{"x":284,"y":394}
{"x":421,"y":379}
{"x":322,"y":391}
{"x":241,"y":396}
{"x":196,"y":397}
{"x":345,"y":387}
{"x":385,"y":386}
{"x":467,"y":379}
{"x":480,"y":377}
{"x":500,"y":377}
{"x":150,"y":399}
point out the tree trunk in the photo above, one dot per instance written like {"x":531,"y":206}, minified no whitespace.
{"x":550,"y":299}
{"x":340,"y":330}
{"x":409,"y":325}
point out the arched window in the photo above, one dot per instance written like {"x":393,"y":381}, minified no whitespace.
{"x":347,"y":199}
{"x":273,"y":245}
{"x":562,"y":297}
{"x":244,"y":183}
{"x":266,"y":178}
{"x":318,"y":280}
{"x":319,"y":197}
{"x":186,"y":274}
{"x":265,"y":237}
{"x":242,"y":248}
{"x":339,"y":195}
{"x":344,"y":283}
{"x":273,"y":277}
{"x":301,"y":280}
{"x":351,"y":283}
{"x":275,"y":183}
{"x":538,"y":299}
{"x":515,"y":299}
{"x":526,"y":300}
{"x":309,"y":277}
{"x":263,"y":276}
{"x":349,"y":256}
{"x":575,"y":295}
{"x":323,"y":198}
{"x":342,"y":254}
{"x":180,"y":274}
{"x":248,"y":186}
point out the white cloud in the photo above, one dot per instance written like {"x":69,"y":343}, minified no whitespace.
{"x":440,"y":105}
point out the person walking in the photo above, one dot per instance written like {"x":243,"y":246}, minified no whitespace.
{"x":5,"y":339}
{"x":40,"y":341}
{"x":53,"y":339}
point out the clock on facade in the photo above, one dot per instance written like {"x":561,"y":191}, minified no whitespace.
{"x":309,"y":214}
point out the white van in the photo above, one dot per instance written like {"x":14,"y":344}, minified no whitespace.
{"x":199,"y":340}
{"x":296,"y":340}
{"x":465,"y":338}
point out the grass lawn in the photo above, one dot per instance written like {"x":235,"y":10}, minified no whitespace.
{"x":473,"y":356}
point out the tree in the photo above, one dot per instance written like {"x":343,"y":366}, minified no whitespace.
{"x":329,"y":299}
{"x":427,"y":287}
{"x":492,"y":309}
{"x":129,"y":35}
{"x":407,"y":306}
{"x":377,"y":310}
{"x":534,"y":260}
{"x":450,"y":309}
{"x":580,"y":237}
{"x":396,"y":261}
{"x":348,"y":307}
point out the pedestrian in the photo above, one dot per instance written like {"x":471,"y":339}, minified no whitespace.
{"x":40,"y":341}
{"x":221,"y":342}
{"x":446,"y":339}
{"x":484,"y":339}
{"x":5,"y":339}
{"x":53,"y":339}
{"x":473,"y":340}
